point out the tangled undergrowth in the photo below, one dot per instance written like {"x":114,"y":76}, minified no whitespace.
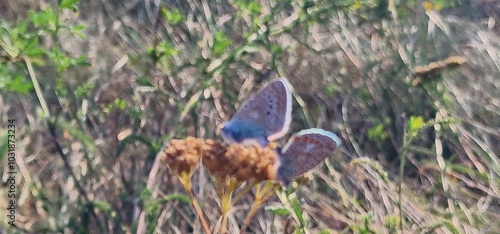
{"x":96,"y":87}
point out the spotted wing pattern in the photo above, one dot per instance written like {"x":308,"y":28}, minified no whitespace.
{"x":304,"y":151}
{"x":265,"y":116}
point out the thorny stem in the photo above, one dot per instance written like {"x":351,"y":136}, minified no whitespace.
{"x":185,"y":180}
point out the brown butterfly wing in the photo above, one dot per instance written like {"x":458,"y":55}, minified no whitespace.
{"x":304,"y":151}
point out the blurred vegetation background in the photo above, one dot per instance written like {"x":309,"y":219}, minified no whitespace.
{"x":96,"y":87}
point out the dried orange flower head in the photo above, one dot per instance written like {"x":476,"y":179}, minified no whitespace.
{"x":182,"y":156}
{"x":243,"y":162}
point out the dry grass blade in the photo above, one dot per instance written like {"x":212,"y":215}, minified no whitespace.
{"x":95,"y":88}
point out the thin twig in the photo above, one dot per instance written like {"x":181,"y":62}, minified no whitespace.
{"x":79,"y":187}
{"x":402,"y":154}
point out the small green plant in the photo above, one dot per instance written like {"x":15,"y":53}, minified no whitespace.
{"x":34,"y":60}
{"x":24,"y":49}
{"x":364,"y":227}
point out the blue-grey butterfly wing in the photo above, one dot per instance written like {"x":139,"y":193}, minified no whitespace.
{"x":266,"y":115}
{"x":305,"y":150}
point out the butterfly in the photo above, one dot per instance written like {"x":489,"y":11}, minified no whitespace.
{"x":263,"y":117}
{"x":305,"y":150}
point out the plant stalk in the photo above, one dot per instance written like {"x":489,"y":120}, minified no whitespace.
{"x":185,"y":180}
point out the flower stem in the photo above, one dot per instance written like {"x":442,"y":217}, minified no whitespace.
{"x":185,"y":180}
{"x":244,"y":191}
{"x":225,"y":201}
{"x":261,"y":195}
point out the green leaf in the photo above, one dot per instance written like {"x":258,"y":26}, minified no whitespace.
{"x":78,"y":30}
{"x":68,"y":4}
{"x":331,"y":90}
{"x":17,"y":42}
{"x":378,"y":133}
{"x":81,"y":61}
{"x":251,"y":6}
{"x":22,"y":26}
{"x":297,"y":209}
{"x":143,"y":81}
{"x":44,"y":20}
{"x":6,"y":35}
{"x":31,"y":48}
{"x":84,"y":89}
{"x":38,"y":18}
{"x":120,"y":103}
{"x":19,"y":85}
{"x":173,"y":17}
{"x":415,"y":123}
{"x":221,"y":42}
{"x":276,"y":50}
{"x":254,"y":8}
{"x":63,"y":62}
{"x":178,"y":197}
{"x":103,"y":206}
{"x":166,"y":49}
{"x":278,"y":210}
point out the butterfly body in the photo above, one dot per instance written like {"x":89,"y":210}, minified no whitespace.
{"x":245,"y":132}
{"x":304,"y":151}
{"x":264,"y":117}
